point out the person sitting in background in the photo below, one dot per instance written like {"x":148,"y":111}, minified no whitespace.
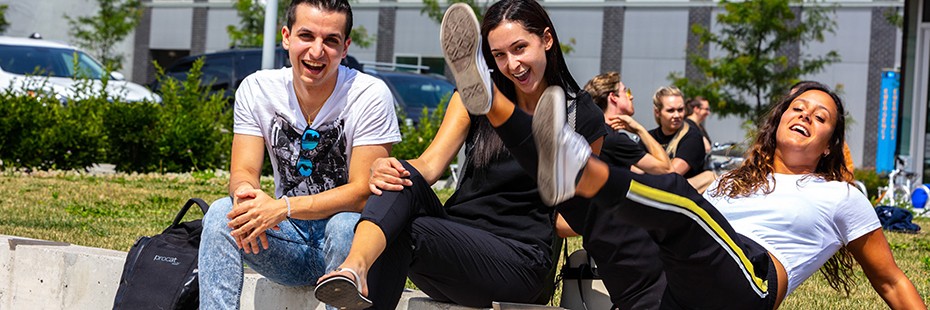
{"x":683,"y":144}
{"x":628,"y":144}
{"x":698,"y":109}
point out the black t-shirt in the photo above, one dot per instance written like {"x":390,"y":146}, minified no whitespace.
{"x":620,"y":149}
{"x":503,"y":199}
{"x":690,"y":148}
{"x":703,"y":132}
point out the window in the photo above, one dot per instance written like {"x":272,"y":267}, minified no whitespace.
{"x":54,"y":62}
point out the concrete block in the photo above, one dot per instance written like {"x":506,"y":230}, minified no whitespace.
{"x":261,"y":293}
{"x":38,"y":274}
{"x":6,"y":268}
{"x":425,"y":303}
{"x":49,"y":275}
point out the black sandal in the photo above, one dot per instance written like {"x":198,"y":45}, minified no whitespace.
{"x":342,"y":292}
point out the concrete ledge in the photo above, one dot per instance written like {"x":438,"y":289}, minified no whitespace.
{"x":425,"y":303}
{"x":47,"y":275}
{"x":38,"y":274}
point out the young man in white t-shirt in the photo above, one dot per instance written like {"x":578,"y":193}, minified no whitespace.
{"x":323,"y":125}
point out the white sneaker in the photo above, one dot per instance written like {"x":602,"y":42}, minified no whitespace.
{"x":562,"y":152}
{"x":460,"y":36}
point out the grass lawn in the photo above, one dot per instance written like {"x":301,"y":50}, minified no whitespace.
{"x":111,"y":211}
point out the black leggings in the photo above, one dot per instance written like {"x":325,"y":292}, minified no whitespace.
{"x":707,"y":264}
{"x":625,"y":254}
{"x":447,"y":260}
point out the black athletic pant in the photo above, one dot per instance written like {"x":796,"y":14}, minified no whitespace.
{"x":707,"y":264}
{"x":447,"y":260}
{"x":626,"y":256}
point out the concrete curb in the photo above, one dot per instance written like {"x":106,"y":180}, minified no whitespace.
{"x":39,"y":274}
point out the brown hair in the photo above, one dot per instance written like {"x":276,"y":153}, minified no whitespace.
{"x":337,"y":6}
{"x":692,"y":103}
{"x":752,"y":176}
{"x":600,"y":87}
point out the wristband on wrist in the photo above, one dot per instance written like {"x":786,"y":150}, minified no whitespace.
{"x":288,"y":203}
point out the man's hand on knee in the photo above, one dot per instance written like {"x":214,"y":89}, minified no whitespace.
{"x":253,"y":214}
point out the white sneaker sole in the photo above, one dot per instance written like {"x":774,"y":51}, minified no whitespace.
{"x":548,"y":120}
{"x":460,"y":36}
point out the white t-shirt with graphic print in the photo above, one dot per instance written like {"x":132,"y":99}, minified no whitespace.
{"x":803,"y":222}
{"x":359,"y":112}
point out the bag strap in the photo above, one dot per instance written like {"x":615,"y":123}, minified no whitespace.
{"x":561,"y":263}
{"x":190,"y":202}
{"x":672,"y":147}
{"x":581,"y":269}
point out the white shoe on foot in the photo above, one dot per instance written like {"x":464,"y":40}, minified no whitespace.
{"x":460,"y":36}
{"x":562,"y":152}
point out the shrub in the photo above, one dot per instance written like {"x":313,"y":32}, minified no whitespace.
{"x":195,"y":126}
{"x":871,"y":179}
{"x":190,"y":130}
{"x":37,"y":130}
{"x":130,"y":128}
{"x":416,"y":137}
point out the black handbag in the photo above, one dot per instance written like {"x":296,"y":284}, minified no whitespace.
{"x":161,"y":270}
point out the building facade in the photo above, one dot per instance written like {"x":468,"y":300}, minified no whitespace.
{"x":645,"y":40}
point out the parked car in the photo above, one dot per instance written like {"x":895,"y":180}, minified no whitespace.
{"x":226,"y":69}
{"x":415,"y":91}
{"x":36,"y":66}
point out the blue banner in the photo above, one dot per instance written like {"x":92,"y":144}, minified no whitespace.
{"x":887,"y":122}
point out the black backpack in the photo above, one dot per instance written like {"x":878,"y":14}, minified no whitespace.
{"x":161,"y":271}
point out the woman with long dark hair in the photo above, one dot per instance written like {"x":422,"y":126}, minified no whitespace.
{"x":758,"y":232}
{"x":491,"y":240}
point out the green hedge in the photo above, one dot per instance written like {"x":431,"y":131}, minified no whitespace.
{"x":189,"y":130}
{"x":38,"y":131}
{"x":416,"y":137}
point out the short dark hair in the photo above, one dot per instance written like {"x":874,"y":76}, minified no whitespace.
{"x":692,"y":103}
{"x":338,"y":6}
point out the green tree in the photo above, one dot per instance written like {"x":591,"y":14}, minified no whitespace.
{"x":431,"y":8}
{"x":750,"y":75}
{"x":100,"y":33}
{"x":895,"y":18}
{"x":3,"y":23}
{"x":250,"y":31}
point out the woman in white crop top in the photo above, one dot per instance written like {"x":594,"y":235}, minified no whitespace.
{"x":762,"y":229}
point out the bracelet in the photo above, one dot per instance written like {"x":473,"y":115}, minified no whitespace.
{"x":288,"y":203}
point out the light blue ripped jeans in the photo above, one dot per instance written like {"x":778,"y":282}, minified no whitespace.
{"x":297,"y":255}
